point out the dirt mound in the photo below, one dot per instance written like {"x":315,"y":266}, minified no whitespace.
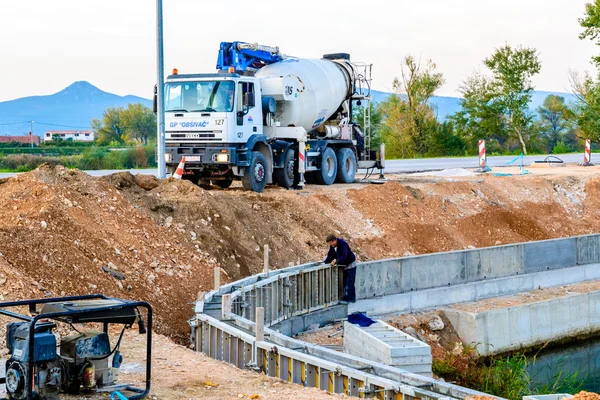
{"x":64,"y":232}
{"x":68,"y":233}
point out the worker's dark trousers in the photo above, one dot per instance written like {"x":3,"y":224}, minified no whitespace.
{"x":349,"y":291}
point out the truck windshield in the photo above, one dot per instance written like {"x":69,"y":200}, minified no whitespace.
{"x":207,"y":96}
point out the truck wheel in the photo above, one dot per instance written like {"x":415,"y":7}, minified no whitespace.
{"x":328,"y":172}
{"x":255,"y":176}
{"x":346,"y":168}
{"x":223,"y":183}
{"x":286,"y":176}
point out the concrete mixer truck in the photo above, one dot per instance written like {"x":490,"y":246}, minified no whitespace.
{"x":266,"y":118}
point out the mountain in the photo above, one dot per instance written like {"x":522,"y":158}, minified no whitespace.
{"x":72,"y":108}
{"x":75,"y":106}
{"x":447,"y":106}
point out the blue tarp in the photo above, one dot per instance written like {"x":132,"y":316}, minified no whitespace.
{"x":360,"y":319}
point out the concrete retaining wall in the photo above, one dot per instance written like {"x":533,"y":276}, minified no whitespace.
{"x":420,"y":300}
{"x":402,"y":275}
{"x":513,"y":328}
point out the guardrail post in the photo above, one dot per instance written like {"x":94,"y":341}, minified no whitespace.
{"x":226,"y":305}
{"x":260,"y":324}
{"x":217,"y":278}
{"x":266,"y":262}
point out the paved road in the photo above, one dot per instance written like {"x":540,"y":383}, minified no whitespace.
{"x":414,"y":165}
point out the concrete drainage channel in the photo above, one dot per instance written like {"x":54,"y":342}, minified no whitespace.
{"x":250,"y":323}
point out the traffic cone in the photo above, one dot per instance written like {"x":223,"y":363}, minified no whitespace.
{"x":180,"y":168}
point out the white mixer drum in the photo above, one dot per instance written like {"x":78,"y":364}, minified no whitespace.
{"x":322,"y":88}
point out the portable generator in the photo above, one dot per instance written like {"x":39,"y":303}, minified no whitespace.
{"x":43,"y":365}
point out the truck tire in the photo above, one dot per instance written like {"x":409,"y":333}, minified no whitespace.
{"x":255,"y":175}
{"x":287,"y":176}
{"x":328,"y":171}
{"x":223,"y":183}
{"x":346,"y":165}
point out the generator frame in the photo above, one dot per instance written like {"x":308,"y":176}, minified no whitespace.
{"x":122,"y":305}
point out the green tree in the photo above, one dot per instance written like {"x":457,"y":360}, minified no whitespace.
{"x":555,"y":118}
{"x":498,"y":106}
{"x":111,"y":128}
{"x":480,"y":116}
{"x":587,"y":107}
{"x":512,"y":70}
{"x":139,"y":122}
{"x":591,"y":25}
{"x":416,"y":86}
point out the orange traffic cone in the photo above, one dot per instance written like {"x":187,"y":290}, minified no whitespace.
{"x":180,"y":168}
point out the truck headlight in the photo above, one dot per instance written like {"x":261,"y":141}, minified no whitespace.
{"x":222,"y":157}
{"x":168,"y":157}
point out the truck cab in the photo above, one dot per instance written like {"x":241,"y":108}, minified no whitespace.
{"x":210,"y":119}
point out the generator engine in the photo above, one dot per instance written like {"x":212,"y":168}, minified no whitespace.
{"x":46,"y":365}
{"x":81,"y":365}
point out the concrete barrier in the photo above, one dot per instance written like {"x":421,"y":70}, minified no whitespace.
{"x":522,"y":326}
{"x":394,"y":276}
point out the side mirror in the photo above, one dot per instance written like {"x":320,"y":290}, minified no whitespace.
{"x":155,"y":100}
{"x":249,"y":100}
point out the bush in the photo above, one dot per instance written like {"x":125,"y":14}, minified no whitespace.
{"x":93,"y":158}
{"x":561,"y":148}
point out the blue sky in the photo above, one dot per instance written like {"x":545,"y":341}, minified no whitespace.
{"x":47,"y":45}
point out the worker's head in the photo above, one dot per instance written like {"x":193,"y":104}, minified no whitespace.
{"x":331,"y":240}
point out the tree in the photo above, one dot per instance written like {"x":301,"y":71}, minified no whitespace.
{"x":136,"y":123}
{"x":111,"y":128}
{"x":555,"y":118}
{"x":139,"y":122}
{"x":591,"y":24}
{"x":480,"y":116}
{"x":512,"y":70}
{"x":417,"y":85}
{"x":498,"y":106}
{"x":587,"y":107}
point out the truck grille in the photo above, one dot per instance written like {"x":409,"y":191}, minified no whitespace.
{"x":191,"y":135}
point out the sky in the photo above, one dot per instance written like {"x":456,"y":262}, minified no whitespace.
{"x":47,"y":45}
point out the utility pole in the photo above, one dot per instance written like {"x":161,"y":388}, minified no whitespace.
{"x":160,"y":117}
{"x":31,"y":134}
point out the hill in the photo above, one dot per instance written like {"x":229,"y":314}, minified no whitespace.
{"x":72,"y":108}
{"x":75,"y":106}
{"x":446,"y":106}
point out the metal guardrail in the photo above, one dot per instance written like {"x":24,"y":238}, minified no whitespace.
{"x":226,"y":328}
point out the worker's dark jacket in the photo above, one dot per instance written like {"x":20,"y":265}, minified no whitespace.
{"x":343,"y":256}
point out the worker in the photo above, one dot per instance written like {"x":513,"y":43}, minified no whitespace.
{"x":341,"y":255}
{"x":223,"y":101}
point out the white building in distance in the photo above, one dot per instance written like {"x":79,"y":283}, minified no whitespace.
{"x":76,"y":136}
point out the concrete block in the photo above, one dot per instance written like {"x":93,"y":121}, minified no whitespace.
{"x":385,"y":344}
{"x":396,"y":303}
{"x":592,"y":271}
{"x":378,"y":279}
{"x":551,"y":278}
{"x":444,"y":296}
{"x":496,"y":334}
{"x":433,"y":270}
{"x":541,"y":320}
{"x":464,"y":324}
{"x":503,"y":286}
{"x":494,"y":262}
{"x":588,"y":249}
{"x":550,"y":254}
{"x":520,"y":325}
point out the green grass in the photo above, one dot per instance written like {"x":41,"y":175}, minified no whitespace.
{"x":501,"y":376}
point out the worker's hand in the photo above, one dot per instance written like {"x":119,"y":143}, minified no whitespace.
{"x":333,"y":263}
